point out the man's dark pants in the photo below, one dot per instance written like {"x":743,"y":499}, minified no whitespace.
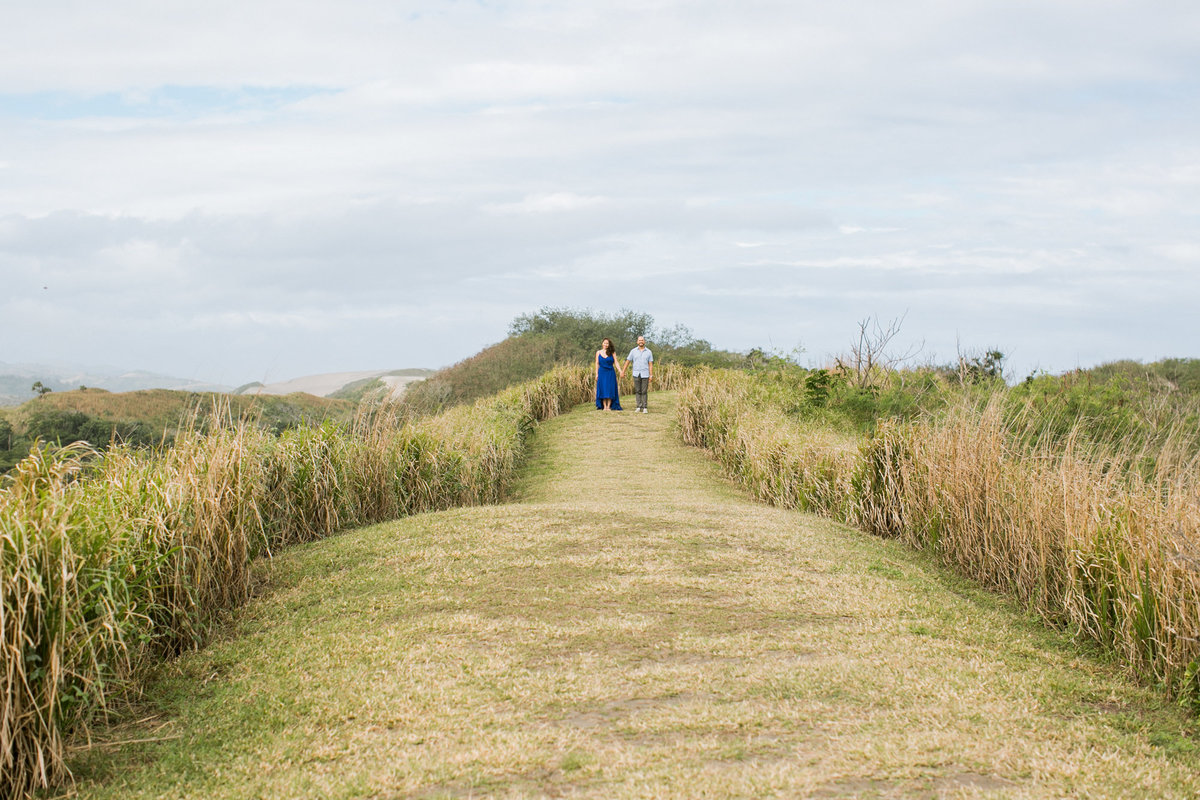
{"x":641,"y":386}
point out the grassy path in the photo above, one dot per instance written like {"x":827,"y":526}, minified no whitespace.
{"x":631,"y":626}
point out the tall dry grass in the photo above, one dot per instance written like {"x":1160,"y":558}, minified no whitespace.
{"x":110,"y":562}
{"x":789,"y":464}
{"x":1078,"y":533}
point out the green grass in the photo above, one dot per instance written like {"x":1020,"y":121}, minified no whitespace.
{"x":631,"y":625}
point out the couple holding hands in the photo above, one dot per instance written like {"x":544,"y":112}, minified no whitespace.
{"x":640,"y":360}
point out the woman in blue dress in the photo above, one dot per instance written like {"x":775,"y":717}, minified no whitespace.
{"x":608,"y":368}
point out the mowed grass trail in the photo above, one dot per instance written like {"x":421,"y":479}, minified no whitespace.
{"x":632,"y":626}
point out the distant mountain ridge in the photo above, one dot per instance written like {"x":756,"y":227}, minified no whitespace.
{"x":16,"y":380}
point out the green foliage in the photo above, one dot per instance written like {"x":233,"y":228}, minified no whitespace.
{"x":580,"y":333}
{"x":1121,"y":406}
{"x":986,"y":368}
{"x":147,"y":418}
{"x":583,"y":330}
{"x":831,"y":397}
{"x":556,"y":336}
{"x":63,"y":427}
{"x":516,"y":359}
{"x":1182,"y":374}
{"x":12,"y":446}
{"x":818,"y":387}
{"x":357,"y":391}
{"x":1118,"y":407}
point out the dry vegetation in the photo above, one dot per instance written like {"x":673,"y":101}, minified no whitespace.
{"x":111,"y":561}
{"x":1082,"y":534}
{"x":633,"y":626}
{"x":150,"y":418}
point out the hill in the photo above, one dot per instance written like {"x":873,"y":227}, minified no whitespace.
{"x":148,"y":417}
{"x":16,"y":380}
{"x":77,"y":408}
{"x":345,"y":385}
{"x":553,"y":336}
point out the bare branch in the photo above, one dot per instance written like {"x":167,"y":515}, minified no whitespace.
{"x":869,"y":353}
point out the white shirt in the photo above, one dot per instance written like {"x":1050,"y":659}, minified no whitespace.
{"x":640,"y":358}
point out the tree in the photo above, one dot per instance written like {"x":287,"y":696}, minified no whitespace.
{"x":869,"y":352}
{"x":980,"y":368}
{"x":41,"y":389}
{"x":584,"y":329}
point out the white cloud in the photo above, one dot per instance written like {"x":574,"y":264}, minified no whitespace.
{"x":1183,"y":252}
{"x":548,"y":204}
{"x":362,"y":174}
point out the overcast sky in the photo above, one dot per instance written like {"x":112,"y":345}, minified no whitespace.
{"x":240,"y":190}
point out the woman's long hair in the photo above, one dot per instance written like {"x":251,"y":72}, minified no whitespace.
{"x":607,"y":346}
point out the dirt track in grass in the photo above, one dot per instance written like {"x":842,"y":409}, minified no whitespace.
{"x":632,"y":626}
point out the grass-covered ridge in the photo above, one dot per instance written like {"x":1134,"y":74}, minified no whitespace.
{"x":108,"y":562}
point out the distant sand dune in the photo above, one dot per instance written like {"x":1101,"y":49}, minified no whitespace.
{"x":327,"y":384}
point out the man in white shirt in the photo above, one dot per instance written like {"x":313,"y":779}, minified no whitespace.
{"x":641,"y":361}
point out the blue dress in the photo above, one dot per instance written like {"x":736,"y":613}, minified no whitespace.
{"x":606,"y":383}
